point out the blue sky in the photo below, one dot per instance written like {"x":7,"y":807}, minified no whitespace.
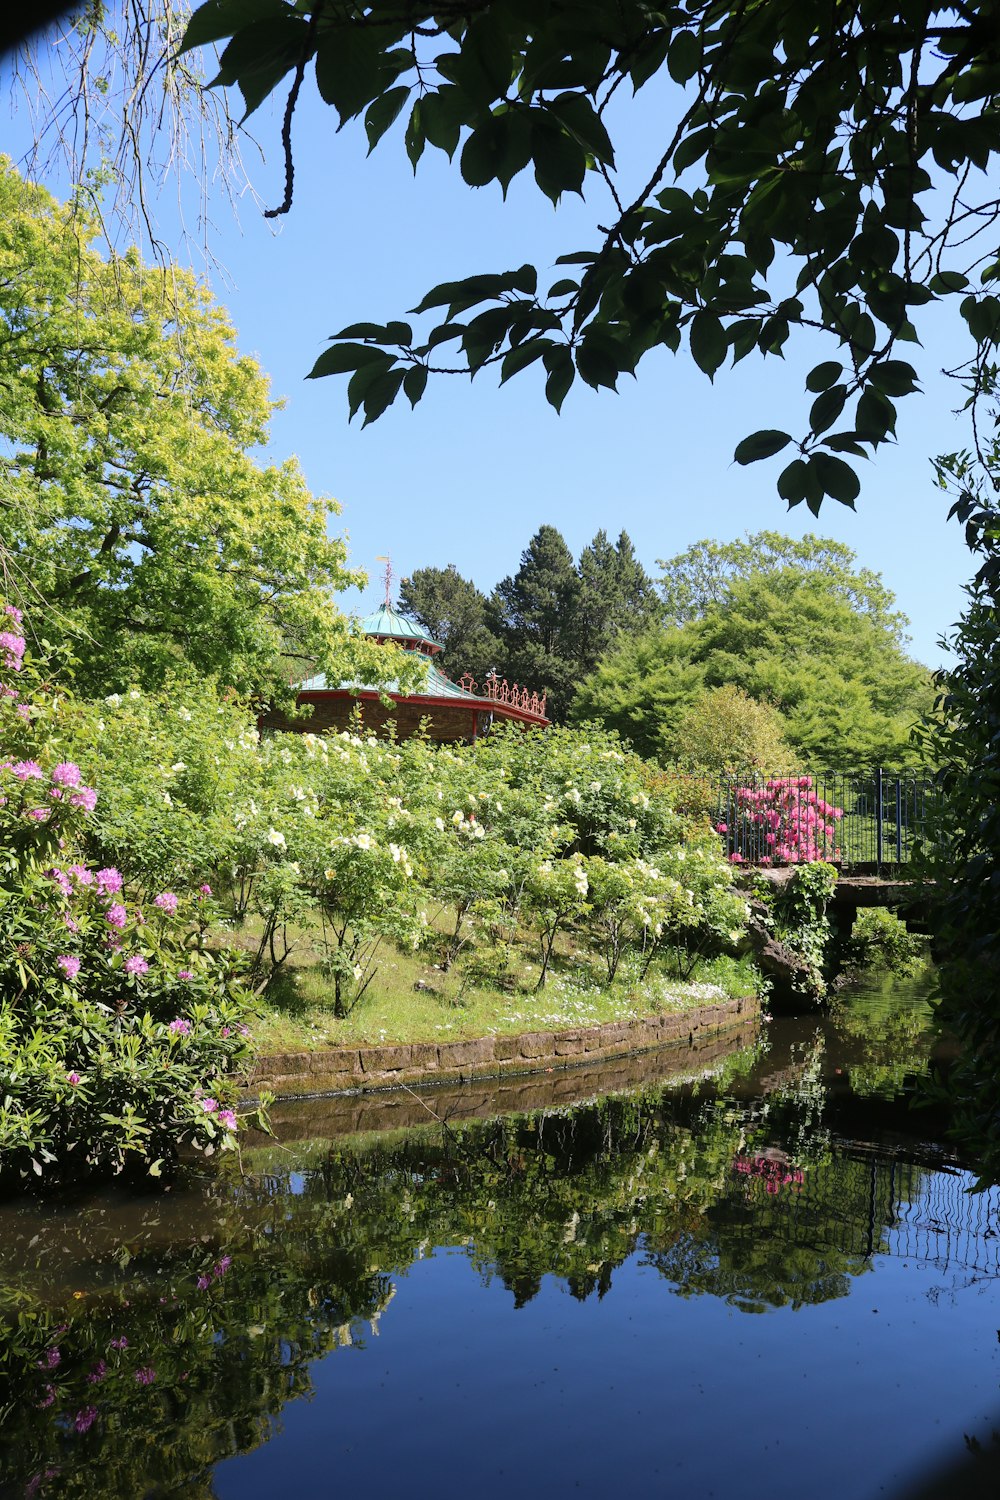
{"x":471,"y":473}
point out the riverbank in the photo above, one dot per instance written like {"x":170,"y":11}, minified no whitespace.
{"x":361,"y":1069}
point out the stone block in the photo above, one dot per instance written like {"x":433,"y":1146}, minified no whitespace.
{"x":375,"y":1060}
{"x":537,"y":1044}
{"x":466,"y":1054}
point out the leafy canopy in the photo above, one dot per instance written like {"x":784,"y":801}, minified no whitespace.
{"x":847,"y":693}
{"x":823,"y":166}
{"x":133,"y":502}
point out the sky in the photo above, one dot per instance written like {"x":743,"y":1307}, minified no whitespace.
{"x":470,"y":474}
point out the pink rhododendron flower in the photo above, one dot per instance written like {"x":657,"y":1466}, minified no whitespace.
{"x":117,"y":915}
{"x":180,"y":1028}
{"x":209,"y":1105}
{"x":14,"y":612}
{"x":49,"y":1397}
{"x":167,"y":902}
{"x":121,"y":1343}
{"x":145,"y":1375}
{"x":222,"y":1266}
{"x":66,"y":774}
{"x":109,"y":881}
{"x":136,"y":964}
{"x":203,"y":1283}
{"x":73,"y":1078}
{"x":24,"y":709}
{"x":98,"y":1373}
{"x":85,"y":1418}
{"x":204,"y":890}
{"x":39,"y":814}
{"x":12,"y":647}
{"x":80,"y":874}
{"x":69,"y":922}
{"x":225,"y":1031}
{"x":69,"y":964}
{"x":227,"y":1118}
{"x":84,"y":797}
{"x":50,"y":1359}
{"x":184,"y":974}
{"x":28,"y":770}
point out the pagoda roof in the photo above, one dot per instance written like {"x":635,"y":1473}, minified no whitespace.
{"x":436,"y":685}
{"x":390,"y":624}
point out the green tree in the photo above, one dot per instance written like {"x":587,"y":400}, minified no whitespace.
{"x":454,"y":611}
{"x":532,"y":612}
{"x":132,"y":502}
{"x":727,"y":730}
{"x":699,"y":577}
{"x":797,"y":185}
{"x":616,"y":597}
{"x":847,"y":693}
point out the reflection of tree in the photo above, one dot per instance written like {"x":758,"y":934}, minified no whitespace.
{"x":297,"y":1263}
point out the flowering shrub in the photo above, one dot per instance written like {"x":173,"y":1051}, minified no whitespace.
{"x":783,"y":822}
{"x":117,"y":1024}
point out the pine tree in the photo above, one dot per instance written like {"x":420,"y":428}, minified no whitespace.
{"x":616,"y":597}
{"x":533,"y":614}
{"x":453,"y":611}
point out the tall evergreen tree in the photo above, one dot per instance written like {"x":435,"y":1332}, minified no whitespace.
{"x":454,"y":612}
{"x":533,"y":614}
{"x":616,"y":598}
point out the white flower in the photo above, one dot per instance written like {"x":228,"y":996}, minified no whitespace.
{"x":100,"y":726}
{"x":276,"y":838}
{"x":135,"y":693}
{"x":595,"y":786}
{"x":362,"y":841}
{"x":357,"y":971}
{"x":114,"y":700}
{"x":457,"y":817}
{"x":185,"y":714}
{"x":167,"y":799}
{"x":178,"y":765}
{"x":479,"y":832}
{"x":439,"y":824}
{"x":396,"y":853}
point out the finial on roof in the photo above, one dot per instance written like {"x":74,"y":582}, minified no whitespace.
{"x":388,"y":580}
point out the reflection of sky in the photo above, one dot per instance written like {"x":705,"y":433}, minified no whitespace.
{"x":641,"y":1392}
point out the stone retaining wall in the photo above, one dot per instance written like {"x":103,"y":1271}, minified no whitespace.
{"x":359,"y":1069}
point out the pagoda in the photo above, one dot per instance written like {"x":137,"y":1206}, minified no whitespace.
{"x":449,"y":711}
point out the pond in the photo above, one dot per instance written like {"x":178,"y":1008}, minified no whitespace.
{"x":764,"y":1276}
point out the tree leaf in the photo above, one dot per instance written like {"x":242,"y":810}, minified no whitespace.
{"x":559,"y":364}
{"x":838,"y":479}
{"x":382,"y":112}
{"x":340,"y":358}
{"x":524,"y":355}
{"x":822,"y":376}
{"x":827,"y":408}
{"x":578,"y":115}
{"x":380,"y":394}
{"x":414,"y":383}
{"x":763,"y":444}
{"x":218,"y":18}
{"x":683,"y":56}
{"x":708,"y":342}
{"x":349,"y":67}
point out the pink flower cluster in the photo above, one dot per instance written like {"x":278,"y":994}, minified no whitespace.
{"x":784,"y":822}
{"x":225,"y":1117}
{"x":775,"y":1171}
{"x":65,"y":786}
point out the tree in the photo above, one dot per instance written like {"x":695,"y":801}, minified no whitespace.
{"x":454,"y":612}
{"x":727,"y":730}
{"x":825,"y":167}
{"x":532,"y":612}
{"x":847,"y":693}
{"x":616,"y":597}
{"x":698,"y":578}
{"x":131,"y":502}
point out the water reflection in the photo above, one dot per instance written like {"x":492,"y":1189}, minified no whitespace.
{"x":145,"y":1342}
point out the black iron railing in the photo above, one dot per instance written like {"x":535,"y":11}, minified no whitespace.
{"x":868,"y":818}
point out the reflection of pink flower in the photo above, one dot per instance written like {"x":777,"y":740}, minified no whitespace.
{"x":69,"y":964}
{"x":85,"y":1418}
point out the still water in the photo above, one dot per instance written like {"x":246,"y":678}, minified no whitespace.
{"x":763,"y":1276}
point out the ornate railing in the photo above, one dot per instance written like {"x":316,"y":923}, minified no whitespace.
{"x":499,"y":690}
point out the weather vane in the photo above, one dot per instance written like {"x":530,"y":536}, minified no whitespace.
{"x":388,"y":580}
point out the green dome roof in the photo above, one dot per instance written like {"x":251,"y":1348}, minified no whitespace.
{"x":386,"y":622}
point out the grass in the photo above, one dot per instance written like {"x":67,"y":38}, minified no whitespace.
{"x":412,"y":1000}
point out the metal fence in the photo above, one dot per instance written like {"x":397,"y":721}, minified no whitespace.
{"x":868,"y":818}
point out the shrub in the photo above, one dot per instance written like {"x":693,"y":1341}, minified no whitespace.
{"x":879,"y":940}
{"x":117,"y":1025}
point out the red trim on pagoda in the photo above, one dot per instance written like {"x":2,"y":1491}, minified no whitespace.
{"x":507,"y":708}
